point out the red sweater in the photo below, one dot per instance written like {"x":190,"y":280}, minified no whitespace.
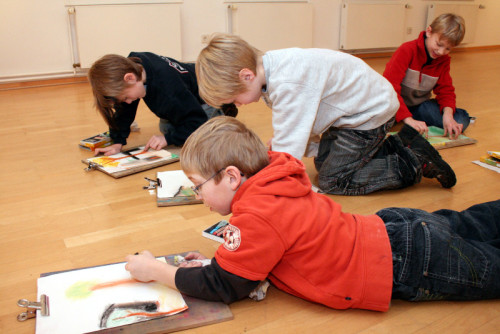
{"x":414,"y":81}
{"x":304,"y":243}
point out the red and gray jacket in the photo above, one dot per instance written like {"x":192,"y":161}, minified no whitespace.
{"x":414,"y":79}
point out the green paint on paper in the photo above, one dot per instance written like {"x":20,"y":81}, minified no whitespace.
{"x":80,"y":290}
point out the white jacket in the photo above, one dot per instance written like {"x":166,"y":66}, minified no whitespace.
{"x":310,"y":90}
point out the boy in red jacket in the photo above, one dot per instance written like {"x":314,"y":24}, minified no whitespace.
{"x":306,"y":246}
{"x":422,"y":66}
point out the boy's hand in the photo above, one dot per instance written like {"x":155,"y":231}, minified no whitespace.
{"x":450,"y":126}
{"x":110,"y":150}
{"x":270,"y":144}
{"x":157,"y":142}
{"x":194,"y":256}
{"x":142,"y":266}
{"x":420,"y":126}
{"x":193,"y":259}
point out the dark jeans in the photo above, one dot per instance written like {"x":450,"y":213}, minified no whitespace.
{"x":429,"y":112}
{"x":446,"y":254}
{"x":358,"y":162}
{"x":166,"y":126}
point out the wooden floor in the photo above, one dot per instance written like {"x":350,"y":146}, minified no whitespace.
{"x":55,"y":216}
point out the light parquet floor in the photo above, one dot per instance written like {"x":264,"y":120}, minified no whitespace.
{"x":54,"y":216}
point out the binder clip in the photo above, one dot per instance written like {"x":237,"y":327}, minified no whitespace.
{"x":153,"y":184}
{"x":91,"y":166}
{"x":32,"y":307}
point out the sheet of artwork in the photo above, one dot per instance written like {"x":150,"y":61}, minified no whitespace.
{"x":93,"y":299}
{"x":438,"y":140}
{"x":130,"y":159}
{"x":173,"y":183}
{"x":175,"y":189}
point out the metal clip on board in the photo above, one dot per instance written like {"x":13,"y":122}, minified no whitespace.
{"x":32,"y":307}
{"x":153,"y":184}
{"x":91,"y":166}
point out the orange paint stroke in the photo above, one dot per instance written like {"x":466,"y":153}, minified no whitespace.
{"x":151,"y":315}
{"x":114,"y":283}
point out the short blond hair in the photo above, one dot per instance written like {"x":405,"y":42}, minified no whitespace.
{"x":221,"y":142}
{"x":450,"y":26}
{"x":219,"y":65}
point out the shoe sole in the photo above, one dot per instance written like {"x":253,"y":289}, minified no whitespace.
{"x":445,"y":174}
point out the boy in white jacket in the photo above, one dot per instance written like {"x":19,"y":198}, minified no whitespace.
{"x":326,"y":104}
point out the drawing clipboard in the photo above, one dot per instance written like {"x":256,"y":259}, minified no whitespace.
{"x":200,"y":313}
{"x":133,"y":160}
{"x":439,"y":141}
{"x":174,"y":182}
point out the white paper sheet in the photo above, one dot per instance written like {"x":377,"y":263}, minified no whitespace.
{"x":490,"y":167}
{"x":120,"y":161}
{"x":171,"y":182}
{"x":79,"y":298}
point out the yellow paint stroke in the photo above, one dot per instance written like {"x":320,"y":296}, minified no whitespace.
{"x":83,"y":289}
{"x":106,"y":162}
{"x":113,"y":162}
{"x":80,"y":290}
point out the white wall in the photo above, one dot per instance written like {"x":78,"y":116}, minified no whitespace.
{"x":487,"y":29}
{"x":34,"y":38}
{"x":35,"y":41}
{"x":200,"y":17}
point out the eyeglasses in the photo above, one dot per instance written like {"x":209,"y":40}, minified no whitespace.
{"x":198,"y":187}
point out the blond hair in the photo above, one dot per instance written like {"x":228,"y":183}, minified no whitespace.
{"x":221,"y":142}
{"x":106,"y":76}
{"x":450,"y":26}
{"x":219,"y":65}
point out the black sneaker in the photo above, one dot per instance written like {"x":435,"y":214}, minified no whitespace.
{"x":433,"y":166}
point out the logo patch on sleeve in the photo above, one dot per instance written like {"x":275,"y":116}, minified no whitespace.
{"x":175,"y":65}
{"x":232,"y":238}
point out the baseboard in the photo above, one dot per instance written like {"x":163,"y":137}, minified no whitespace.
{"x":43,"y":83}
{"x":385,"y":54}
{"x":83,"y":78}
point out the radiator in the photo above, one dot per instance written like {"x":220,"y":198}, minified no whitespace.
{"x":269,"y":26}
{"x":371,"y":24}
{"x":96,"y":30}
{"x":468,"y":11}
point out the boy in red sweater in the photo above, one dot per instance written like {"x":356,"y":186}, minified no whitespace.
{"x":306,"y":246}
{"x":422,"y":66}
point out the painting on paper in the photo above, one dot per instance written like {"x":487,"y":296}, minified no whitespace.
{"x":131,"y":159}
{"x":439,"y":140}
{"x":93,"y":299}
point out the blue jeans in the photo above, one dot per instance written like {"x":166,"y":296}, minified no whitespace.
{"x":445,"y":255}
{"x":429,"y":112}
{"x":358,"y":162}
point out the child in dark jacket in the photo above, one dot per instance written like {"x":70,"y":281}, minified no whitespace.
{"x":305,"y":245}
{"x":167,"y":86}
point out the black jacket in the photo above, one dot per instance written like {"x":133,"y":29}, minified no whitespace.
{"x":171,"y":93}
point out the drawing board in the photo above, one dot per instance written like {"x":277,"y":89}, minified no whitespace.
{"x":175,"y":189}
{"x":198,"y":313}
{"x":133,"y":160}
{"x":439,"y":141}
{"x":92,"y":299}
